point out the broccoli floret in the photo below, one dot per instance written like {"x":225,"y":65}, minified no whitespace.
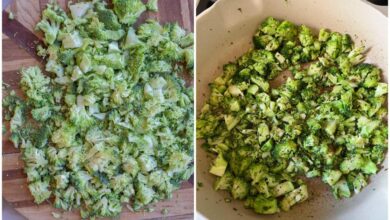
{"x":263,"y":132}
{"x":144,"y":194}
{"x":323,"y":35}
{"x":239,"y":162}
{"x":34,"y":157}
{"x":369,"y":167}
{"x":146,"y":163}
{"x":135,"y":65}
{"x":352,"y":163}
{"x":176,"y":33}
{"x":80,"y":117}
{"x":357,"y":181}
{"x":341,"y":189}
{"x":287,"y":30}
{"x":263,"y":205}
{"x":187,"y":40}
{"x":40,"y":191}
{"x":381,"y":89}
{"x":128,"y":11}
{"x":113,"y":60}
{"x":178,"y":161}
{"x":41,"y":51}
{"x":356,"y":56}
{"x":269,"y":26}
{"x":160,"y":67}
{"x":50,"y":24}
{"x":152,"y":5}
{"x":331,"y":176}
{"x":367,"y":126}
{"x":264,"y":85}
{"x":50,"y":30}
{"x":121,"y":182}
{"x":170,"y":51}
{"x":81,"y":179}
{"x":240,"y":188}
{"x":188,"y":55}
{"x":333,"y":45}
{"x":36,"y":86}
{"x":18,"y":119}
{"x":41,"y":114}
{"x":108,"y":18}
{"x":285,"y":149}
{"x":305,"y":36}
{"x":96,"y":30}
{"x":224,"y":182}
{"x":108,"y":206}
{"x":61,"y":180}
{"x":64,"y":136}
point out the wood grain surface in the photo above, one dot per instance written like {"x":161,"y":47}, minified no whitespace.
{"x":19,"y":51}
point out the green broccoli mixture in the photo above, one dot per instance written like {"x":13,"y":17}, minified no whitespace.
{"x":111,"y":120}
{"x":326,"y":120}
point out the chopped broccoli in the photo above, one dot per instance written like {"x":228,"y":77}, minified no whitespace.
{"x":52,"y":17}
{"x":128,"y":10}
{"x":41,"y":114}
{"x":78,"y":10}
{"x":326,"y":120}
{"x":72,"y":40}
{"x":111,"y":119}
{"x":219,"y":166}
{"x":263,"y":205}
{"x":331,"y":176}
{"x":341,"y":189}
{"x":152,"y":5}
{"x":298,"y":195}
{"x":240,"y":188}
{"x":287,"y":30}
{"x":40,"y":191}
{"x":224,"y":182}
{"x":285,"y":149}
{"x":282,"y":188}
{"x":108,"y":18}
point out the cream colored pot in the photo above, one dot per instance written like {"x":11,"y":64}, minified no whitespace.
{"x":224,"y":32}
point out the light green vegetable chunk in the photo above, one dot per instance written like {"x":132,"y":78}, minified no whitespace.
{"x":296,"y":196}
{"x":219,"y":166}
{"x":282,"y":188}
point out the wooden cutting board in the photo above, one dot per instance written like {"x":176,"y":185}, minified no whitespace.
{"x":18,"y":51}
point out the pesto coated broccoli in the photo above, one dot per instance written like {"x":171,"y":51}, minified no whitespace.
{"x":326,"y":120}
